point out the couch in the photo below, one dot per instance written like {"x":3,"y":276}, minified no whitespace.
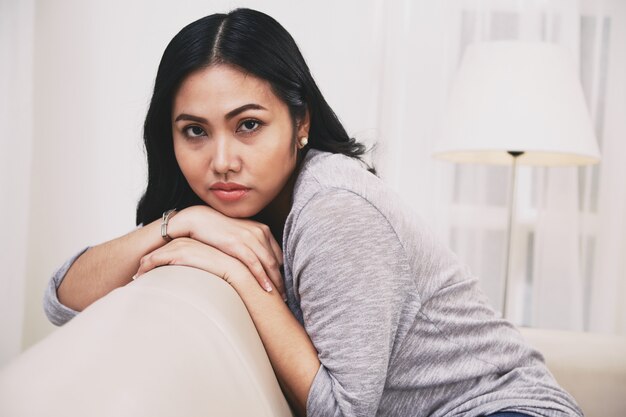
{"x":138,"y":352}
{"x":591,"y":367}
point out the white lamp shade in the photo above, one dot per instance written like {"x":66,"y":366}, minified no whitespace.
{"x":517,"y":96}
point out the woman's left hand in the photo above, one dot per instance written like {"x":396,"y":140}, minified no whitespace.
{"x":190,"y":252}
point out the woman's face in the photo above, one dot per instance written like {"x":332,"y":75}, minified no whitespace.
{"x":231,"y":131}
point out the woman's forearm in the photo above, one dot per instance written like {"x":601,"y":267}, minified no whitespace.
{"x":288,"y":346}
{"x":112,"y":264}
{"x":107,"y":266}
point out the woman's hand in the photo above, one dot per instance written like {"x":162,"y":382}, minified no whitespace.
{"x":190,"y":252}
{"x":250,"y":242}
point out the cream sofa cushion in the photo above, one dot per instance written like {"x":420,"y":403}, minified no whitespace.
{"x":591,"y":367}
{"x":176,"y":342}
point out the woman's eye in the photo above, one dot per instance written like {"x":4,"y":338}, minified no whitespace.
{"x":249,"y":126}
{"x":194,"y":131}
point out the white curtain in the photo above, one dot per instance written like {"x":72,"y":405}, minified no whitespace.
{"x":569,"y":240}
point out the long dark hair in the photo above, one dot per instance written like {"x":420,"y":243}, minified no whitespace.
{"x":257,"y":44}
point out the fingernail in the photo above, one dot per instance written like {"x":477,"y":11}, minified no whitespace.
{"x":134,"y":277}
{"x":268,"y":287}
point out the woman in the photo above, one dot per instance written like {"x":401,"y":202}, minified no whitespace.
{"x":243,"y":146}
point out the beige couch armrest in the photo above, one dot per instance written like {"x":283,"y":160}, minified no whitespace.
{"x":176,"y":342}
{"x":591,"y":367}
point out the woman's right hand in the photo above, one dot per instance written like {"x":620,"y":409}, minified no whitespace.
{"x":247,"y":240}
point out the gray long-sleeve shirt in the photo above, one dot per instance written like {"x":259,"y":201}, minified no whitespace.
{"x":399,"y":323}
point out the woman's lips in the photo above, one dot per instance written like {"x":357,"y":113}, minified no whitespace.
{"x":230,"y":195}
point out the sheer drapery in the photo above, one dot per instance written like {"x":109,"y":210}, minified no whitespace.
{"x":568,"y":269}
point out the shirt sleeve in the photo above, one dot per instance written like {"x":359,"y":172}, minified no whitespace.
{"x":57,"y":313}
{"x":351,"y":276}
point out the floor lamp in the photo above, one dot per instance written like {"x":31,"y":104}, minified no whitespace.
{"x":513,"y":103}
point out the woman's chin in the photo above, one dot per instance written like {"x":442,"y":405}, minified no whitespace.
{"x":235,"y":211}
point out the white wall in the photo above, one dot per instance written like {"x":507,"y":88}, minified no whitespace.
{"x":16,"y":65}
{"x":95,"y":64}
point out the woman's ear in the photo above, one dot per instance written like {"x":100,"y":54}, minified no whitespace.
{"x":303,"y":125}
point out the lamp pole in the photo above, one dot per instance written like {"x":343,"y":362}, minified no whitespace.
{"x":512,"y":185}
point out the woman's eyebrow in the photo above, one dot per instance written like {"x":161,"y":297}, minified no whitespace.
{"x":185,"y":116}
{"x":250,"y":106}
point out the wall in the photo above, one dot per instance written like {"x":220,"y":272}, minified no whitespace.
{"x":16,"y":67}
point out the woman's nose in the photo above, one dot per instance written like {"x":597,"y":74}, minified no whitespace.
{"x":225,"y":157}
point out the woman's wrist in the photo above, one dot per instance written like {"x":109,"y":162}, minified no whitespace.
{"x":182,"y":223}
{"x":178,"y":223}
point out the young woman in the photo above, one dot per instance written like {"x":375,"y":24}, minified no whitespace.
{"x":247,"y":164}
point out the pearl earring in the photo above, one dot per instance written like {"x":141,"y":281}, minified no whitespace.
{"x":303,"y":141}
